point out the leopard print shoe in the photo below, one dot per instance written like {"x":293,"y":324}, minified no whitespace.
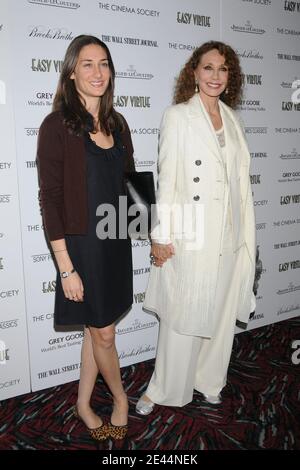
{"x":117,"y":432}
{"x":99,"y":434}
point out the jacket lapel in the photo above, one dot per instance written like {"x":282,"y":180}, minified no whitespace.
{"x":231,"y":136}
{"x":201,"y":125}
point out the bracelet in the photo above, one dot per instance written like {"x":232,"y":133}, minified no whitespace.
{"x":65,"y":274}
{"x":58,"y":251}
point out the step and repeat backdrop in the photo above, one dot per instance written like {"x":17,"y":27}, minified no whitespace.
{"x":149,"y":40}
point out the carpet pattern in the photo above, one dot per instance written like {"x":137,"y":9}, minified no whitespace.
{"x":260,"y":408}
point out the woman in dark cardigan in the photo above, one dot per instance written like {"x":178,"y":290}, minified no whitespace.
{"x":84,"y":148}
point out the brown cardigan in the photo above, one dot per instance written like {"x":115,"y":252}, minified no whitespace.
{"x":61,"y":166}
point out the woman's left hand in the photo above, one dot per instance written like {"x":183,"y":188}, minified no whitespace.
{"x":161,"y":253}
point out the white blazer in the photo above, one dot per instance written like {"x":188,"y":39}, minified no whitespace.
{"x":191,"y":171}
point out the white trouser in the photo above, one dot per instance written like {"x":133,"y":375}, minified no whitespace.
{"x":184,"y":363}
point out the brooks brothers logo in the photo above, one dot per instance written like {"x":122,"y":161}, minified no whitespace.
{"x":121,"y":101}
{"x":290,"y":199}
{"x":129,"y":41}
{"x":251,"y":79}
{"x":249,"y":54}
{"x":41,"y":99}
{"x":46,"y":65}
{"x":42,"y":257}
{"x":192,"y":18}
{"x":132,"y":73}
{"x":180,"y":46}
{"x":125,"y":9}
{"x":48,"y":287}
{"x":288,"y":309}
{"x":56,"y":3}
{"x":1,"y":263}
{"x":259,"y":154}
{"x":256,"y":130}
{"x":4,"y":325}
{"x":45,"y":32}
{"x":291,"y":6}
{"x":5,"y":198}
{"x":136,"y":325}
{"x":280,"y":223}
{"x":147,"y":348}
{"x":294,"y":155}
{"x":59,"y":370}
{"x":278,"y":246}
{"x":289,"y":177}
{"x":265,"y":3}
{"x":7,"y":294}
{"x":42,"y":317}
{"x":289,"y":265}
{"x":5,"y":165}
{"x":290,"y":106}
{"x":284,"y":56}
{"x":247,"y":28}
{"x":291,"y":288}
{"x":30,"y":164}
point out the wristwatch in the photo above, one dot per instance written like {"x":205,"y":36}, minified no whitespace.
{"x":65,"y":274}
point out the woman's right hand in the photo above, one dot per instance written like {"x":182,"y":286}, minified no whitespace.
{"x":73,"y":287}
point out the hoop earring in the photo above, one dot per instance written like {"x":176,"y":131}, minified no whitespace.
{"x":196,"y":87}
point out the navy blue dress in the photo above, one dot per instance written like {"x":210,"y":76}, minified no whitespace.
{"x":104,"y":265}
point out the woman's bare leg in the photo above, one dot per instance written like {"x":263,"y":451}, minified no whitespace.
{"x":107,"y":361}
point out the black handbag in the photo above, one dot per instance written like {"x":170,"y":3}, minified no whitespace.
{"x":141,"y":203}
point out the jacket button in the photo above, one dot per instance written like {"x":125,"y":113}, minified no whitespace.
{"x":196,"y":198}
{"x":198,"y":162}
{"x":196,"y":179}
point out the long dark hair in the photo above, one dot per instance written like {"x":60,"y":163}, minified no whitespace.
{"x":185,"y":87}
{"x":67,"y":100}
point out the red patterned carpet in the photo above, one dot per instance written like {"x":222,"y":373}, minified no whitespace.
{"x":260,"y":409}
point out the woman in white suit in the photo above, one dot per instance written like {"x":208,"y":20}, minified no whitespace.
{"x":203,"y":271}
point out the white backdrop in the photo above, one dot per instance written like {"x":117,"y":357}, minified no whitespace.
{"x":149,"y":40}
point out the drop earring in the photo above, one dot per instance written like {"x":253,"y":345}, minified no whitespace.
{"x":226,"y":91}
{"x":196,"y":87}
